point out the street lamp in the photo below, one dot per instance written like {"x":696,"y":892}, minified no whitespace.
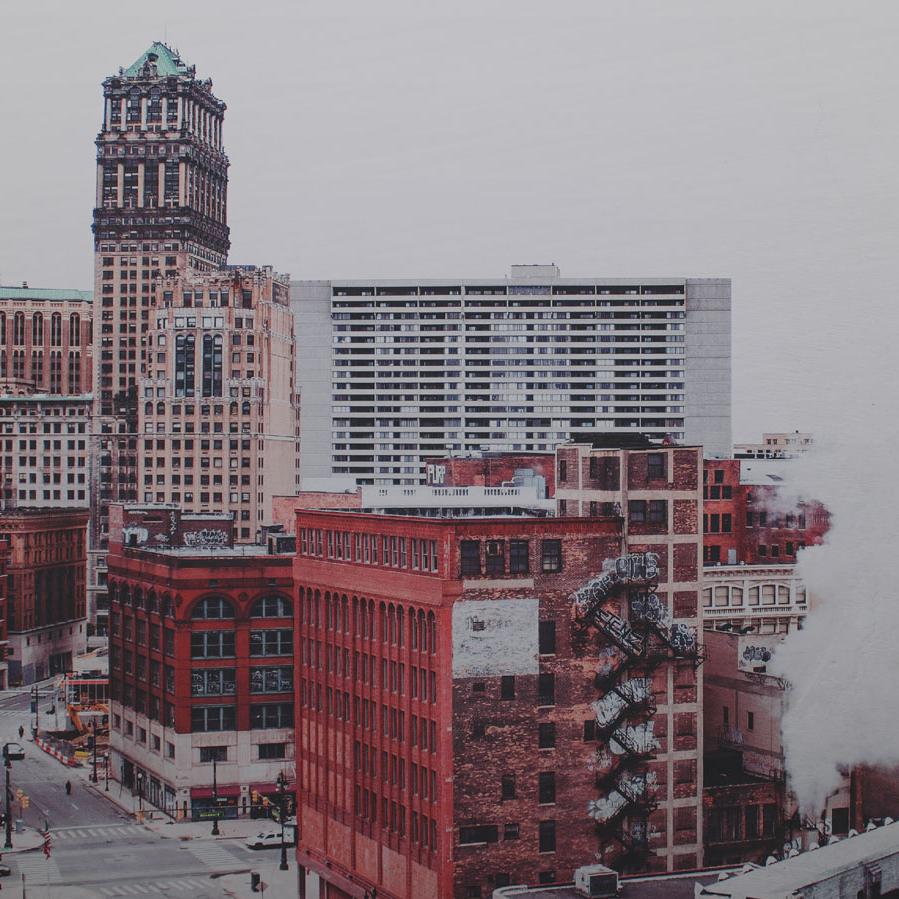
{"x":281,"y":784}
{"x":215,"y":798}
{"x":107,"y":769}
{"x":140,"y":791}
{"x":16,"y":753}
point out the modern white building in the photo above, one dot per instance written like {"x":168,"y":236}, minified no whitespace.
{"x":423,"y":368}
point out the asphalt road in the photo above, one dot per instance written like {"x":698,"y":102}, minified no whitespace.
{"x":97,"y":849}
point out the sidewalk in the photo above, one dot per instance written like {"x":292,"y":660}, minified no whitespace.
{"x":277,"y":884}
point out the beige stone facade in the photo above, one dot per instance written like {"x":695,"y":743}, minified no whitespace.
{"x":217,"y":415}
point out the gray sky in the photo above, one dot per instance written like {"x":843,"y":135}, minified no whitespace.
{"x":756,"y":140}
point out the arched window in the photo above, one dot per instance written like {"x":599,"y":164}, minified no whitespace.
{"x":185,"y":364}
{"x":55,"y":372}
{"x":148,"y":408}
{"x":2,"y":328}
{"x":3,"y":366}
{"x":37,"y":329}
{"x":213,"y":607}
{"x":74,"y":329}
{"x":18,"y":363}
{"x":160,"y":408}
{"x":18,"y":329}
{"x":37,"y":368}
{"x":212,"y":365}
{"x":272,"y":607}
{"x":56,"y":329}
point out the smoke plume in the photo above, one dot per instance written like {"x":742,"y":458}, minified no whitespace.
{"x":843,"y":667}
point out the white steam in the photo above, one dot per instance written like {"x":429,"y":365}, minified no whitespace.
{"x":843,"y":707}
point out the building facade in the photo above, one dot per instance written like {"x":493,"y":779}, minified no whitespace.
{"x":4,"y":615}
{"x":425,"y":368}
{"x":201,"y":655}
{"x":46,"y":594}
{"x":494,"y":470}
{"x":160,"y":210}
{"x":484,"y":702}
{"x":218,"y":416}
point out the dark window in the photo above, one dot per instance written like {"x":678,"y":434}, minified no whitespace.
{"x":213,"y":753}
{"x":711,"y":553}
{"x":551,"y":556}
{"x":563,"y":470}
{"x":655,"y":466}
{"x":750,"y":720}
{"x":636,"y":511}
{"x":775,"y":550}
{"x":478,"y":833}
{"x":840,"y":820}
{"x":714,"y":493}
{"x":546,"y":735}
{"x":752,"y":822}
{"x":478,"y":729}
{"x":719,"y":476}
{"x":472,"y":891}
{"x":507,"y":686}
{"x":727,"y":492}
{"x":590,"y":730}
{"x":726,"y":524}
{"x":510,"y":832}
{"x":212,"y":365}
{"x":769,"y":818}
{"x":507,"y":787}
{"x":546,"y":788}
{"x":272,"y":750}
{"x":658,"y":511}
{"x":206,"y":718}
{"x":210,"y":644}
{"x":213,"y":607}
{"x":749,"y":519}
{"x":272,"y":607}
{"x":547,"y":638}
{"x":546,"y":689}
{"x":547,"y":831}
{"x":546,"y":877}
{"x":471,"y":557}
{"x":790,"y":549}
{"x":763,"y":519}
{"x":273,"y":642}
{"x":495,"y":557}
{"x":518,"y":557}
{"x":272,"y":714}
{"x":185,"y":365}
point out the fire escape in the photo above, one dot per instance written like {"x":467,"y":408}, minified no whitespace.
{"x":630,"y":652}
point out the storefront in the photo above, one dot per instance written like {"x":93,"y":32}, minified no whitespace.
{"x":205,"y":806}
{"x":265,"y":798}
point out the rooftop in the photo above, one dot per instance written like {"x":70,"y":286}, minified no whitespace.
{"x":51,"y":294}
{"x":662,"y":886}
{"x":168,"y":62}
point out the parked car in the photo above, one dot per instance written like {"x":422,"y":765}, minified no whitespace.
{"x":5,"y":870}
{"x":272,"y":839}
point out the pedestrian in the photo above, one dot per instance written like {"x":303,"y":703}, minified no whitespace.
{"x":21,"y":731}
{"x":68,"y":788}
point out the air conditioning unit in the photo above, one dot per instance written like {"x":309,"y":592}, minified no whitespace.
{"x":596,"y":881}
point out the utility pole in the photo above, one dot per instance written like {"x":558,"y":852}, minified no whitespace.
{"x":283,"y":865}
{"x":8,"y":764}
{"x":94,"y":729}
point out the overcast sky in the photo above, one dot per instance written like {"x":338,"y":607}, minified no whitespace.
{"x":756,"y":140}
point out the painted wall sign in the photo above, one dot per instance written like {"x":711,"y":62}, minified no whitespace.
{"x":496,"y":637}
{"x":206,"y":537}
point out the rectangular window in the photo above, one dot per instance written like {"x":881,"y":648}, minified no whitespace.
{"x":495,"y":558}
{"x":478,"y":833}
{"x":507,"y":786}
{"x":551,"y":556}
{"x":214,"y":753}
{"x":209,"y":718}
{"x":658,"y":511}
{"x":655,"y":466}
{"x":563,"y":471}
{"x":547,"y":638}
{"x":546,"y":735}
{"x":636,"y":511}
{"x":271,"y":680}
{"x":546,"y":788}
{"x":750,"y":720}
{"x":213,"y":682}
{"x":272,"y":714}
{"x":546,"y":689}
{"x":547,"y":836}
{"x":507,"y":686}
{"x":211,"y":644}
{"x":271,"y":642}
{"x":471,"y":557}
{"x":270,"y":751}
{"x":518,"y":557}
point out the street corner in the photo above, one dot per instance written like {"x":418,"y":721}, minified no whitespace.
{"x":26,"y":841}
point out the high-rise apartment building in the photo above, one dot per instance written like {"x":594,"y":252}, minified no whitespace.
{"x":217,"y":414}
{"x":160,"y":211}
{"x":421,"y":368}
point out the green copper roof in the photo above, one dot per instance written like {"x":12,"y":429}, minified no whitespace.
{"x":39,"y":293}
{"x":167,"y":62}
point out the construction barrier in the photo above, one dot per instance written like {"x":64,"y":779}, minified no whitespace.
{"x":57,"y":753}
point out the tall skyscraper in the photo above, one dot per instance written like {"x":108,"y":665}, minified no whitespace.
{"x":421,"y":368}
{"x":160,"y":211}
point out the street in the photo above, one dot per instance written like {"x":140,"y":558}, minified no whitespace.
{"x":96,"y":846}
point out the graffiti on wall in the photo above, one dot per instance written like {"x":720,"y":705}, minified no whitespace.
{"x":134,"y":535}
{"x":206,"y":537}
{"x":435,"y":475}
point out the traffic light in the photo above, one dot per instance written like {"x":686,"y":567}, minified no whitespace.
{"x":254,"y":881}
{"x":25,"y":802}
{"x":254,"y":795}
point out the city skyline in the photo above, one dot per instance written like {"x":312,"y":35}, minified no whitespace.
{"x":763,"y":185}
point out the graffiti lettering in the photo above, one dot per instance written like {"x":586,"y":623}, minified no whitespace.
{"x":756,"y":654}
{"x":207,"y":537}
{"x":619,"y":630}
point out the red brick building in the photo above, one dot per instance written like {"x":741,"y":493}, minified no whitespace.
{"x":746,"y":521}
{"x":46,"y":594}
{"x":201,"y":662}
{"x":4,"y":614}
{"x":491,"y":470}
{"x":493,"y":701}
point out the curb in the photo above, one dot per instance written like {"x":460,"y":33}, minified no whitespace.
{"x":71,"y":763}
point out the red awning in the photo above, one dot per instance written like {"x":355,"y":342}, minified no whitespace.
{"x":272,"y":788}
{"x":207,"y":793}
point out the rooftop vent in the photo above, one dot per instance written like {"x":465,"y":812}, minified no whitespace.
{"x":596,"y":881}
